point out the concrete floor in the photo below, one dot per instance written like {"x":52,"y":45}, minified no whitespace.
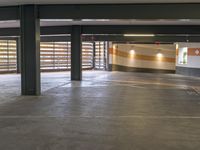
{"x":106,"y":111}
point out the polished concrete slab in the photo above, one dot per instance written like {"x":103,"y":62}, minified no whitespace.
{"x":106,"y":111}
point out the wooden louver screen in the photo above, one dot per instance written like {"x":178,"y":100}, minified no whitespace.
{"x":100,"y":55}
{"x":54,"y":56}
{"x":8,"y":62}
{"x":57,"y":55}
{"x":87,"y":55}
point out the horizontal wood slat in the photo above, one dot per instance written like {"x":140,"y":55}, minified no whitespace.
{"x":56,"y":55}
{"x":8,"y":62}
{"x":53,"y":55}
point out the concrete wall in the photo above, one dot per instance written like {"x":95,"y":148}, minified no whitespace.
{"x":192,"y":56}
{"x":142,"y":57}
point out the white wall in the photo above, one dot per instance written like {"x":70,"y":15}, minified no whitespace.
{"x":146,"y":56}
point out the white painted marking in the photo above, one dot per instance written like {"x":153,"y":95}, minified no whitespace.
{"x":129,"y":116}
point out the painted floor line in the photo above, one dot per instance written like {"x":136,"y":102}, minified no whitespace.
{"x":130,"y":116}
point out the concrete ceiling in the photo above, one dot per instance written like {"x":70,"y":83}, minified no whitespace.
{"x":119,"y":22}
{"x":19,"y":2}
{"x":59,"y":22}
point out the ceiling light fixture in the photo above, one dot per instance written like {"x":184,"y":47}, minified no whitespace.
{"x":132,"y":52}
{"x":95,"y":19}
{"x":159,"y":55}
{"x":52,"y":20}
{"x":140,"y":35}
{"x":9,"y":21}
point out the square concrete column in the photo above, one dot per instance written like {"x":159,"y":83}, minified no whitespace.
{"x":30,"y":50}
{"x":76,"y":54}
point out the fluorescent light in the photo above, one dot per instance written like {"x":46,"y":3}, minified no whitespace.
{"x":184,"y":20}
{"x":49,"y":20}
{"x":9,"y":21}
{"x":95,"y":19}
{"x":146,"y":35}
{"x":55,"y":35}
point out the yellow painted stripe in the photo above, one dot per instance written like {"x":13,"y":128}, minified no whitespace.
{"x":140,"y":57}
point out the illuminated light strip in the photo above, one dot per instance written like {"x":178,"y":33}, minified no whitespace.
{"x":140,"y":35}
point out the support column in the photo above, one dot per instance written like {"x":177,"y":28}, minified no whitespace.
{"x":30,"y":50}
{"x":76,"y":53}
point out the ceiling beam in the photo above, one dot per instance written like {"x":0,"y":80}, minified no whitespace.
{"x":9,"y":32}
{"x":109,"y":11}
{"x":120,"y":11}
{"x":156,"y":39}
{"x":55,"y":38}
{"x":121,"y":38}
{"x":113,"y":29}
{"x":125,"y":29}
{"x":141,"y":29}
{"x":56,"y":30}
{"x":9,"y":13}
{"x":44,"y":31}
{"x":170,"y":33}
